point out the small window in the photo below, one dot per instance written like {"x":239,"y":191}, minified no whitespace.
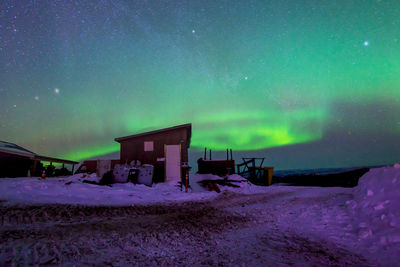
{"x":148,"y":146}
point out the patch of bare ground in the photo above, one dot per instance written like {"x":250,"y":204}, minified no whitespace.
{"x":217,"y":232}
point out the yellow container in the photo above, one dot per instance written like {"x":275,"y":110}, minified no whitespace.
{"x":269,"y":172}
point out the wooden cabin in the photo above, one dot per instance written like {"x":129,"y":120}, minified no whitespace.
{"x":16,"y":161}
{"x":166,"y":149}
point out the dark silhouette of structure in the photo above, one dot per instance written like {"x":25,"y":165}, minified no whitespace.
{"x":16,"y":161}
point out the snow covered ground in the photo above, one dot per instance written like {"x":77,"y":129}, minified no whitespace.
{"x":71,"y":190}
{"x":65,"y":221}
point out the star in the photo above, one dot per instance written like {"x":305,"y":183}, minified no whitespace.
{"x":36,"y":98}
{"x":193,"y":31}
{"x":246,"y":78}
{"x":366,"y":43}
{"x":56,"y":90}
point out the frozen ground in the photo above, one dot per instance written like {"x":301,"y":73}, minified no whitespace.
{"x":249,"y":225}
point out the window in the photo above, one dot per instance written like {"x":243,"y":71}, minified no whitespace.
{"x":148,"y":146}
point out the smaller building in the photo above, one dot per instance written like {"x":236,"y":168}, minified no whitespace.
{"x":16,"y":161}
{"x":217,"y":167}
{"x":94,"y":166}
{"x":166,"y":149}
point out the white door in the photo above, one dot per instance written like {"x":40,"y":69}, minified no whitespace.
{"x":172,"y":162}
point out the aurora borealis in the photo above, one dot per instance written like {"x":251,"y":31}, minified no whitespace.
{"x":307,"y":83}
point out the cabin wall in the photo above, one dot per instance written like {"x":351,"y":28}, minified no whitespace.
{"x":133,"y":149}
{"x":90,"y":166}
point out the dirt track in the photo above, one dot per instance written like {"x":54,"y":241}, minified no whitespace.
{"x":230,"y":230}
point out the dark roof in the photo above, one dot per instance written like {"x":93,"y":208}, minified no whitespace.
{"x":15,"y":149}
{"x":188,"y":126}
{"x":51,"y":159}
{"x":11,"y":148}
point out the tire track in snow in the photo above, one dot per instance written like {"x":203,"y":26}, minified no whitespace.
{"x":233,"y":229}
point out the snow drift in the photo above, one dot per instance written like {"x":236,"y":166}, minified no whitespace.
{"x":376,"y":209}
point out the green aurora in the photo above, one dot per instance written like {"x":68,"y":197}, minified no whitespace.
{"x":249,"y":75}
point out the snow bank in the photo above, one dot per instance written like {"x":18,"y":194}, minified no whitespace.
{"x":376,"y":208}
{"x":243,"y":185}
{"x":72,"y":190}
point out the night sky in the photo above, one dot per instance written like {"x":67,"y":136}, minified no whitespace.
{"x":304,"y":83}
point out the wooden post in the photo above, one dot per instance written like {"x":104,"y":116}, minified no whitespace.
{"x":210,"y":154}
{"x":231,"y":155}
{"x":73,"y":166}
{"x":186,"y":179}
{"x":205,"y":153}
{"x":227,"y":154}
{"x":34,"y":168}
